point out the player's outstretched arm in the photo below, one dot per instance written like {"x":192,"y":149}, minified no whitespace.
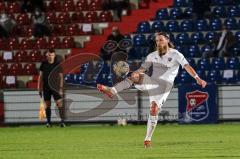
{"x":193,"y":73}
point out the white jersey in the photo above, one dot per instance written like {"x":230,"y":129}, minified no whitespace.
{"x":165,"y":67}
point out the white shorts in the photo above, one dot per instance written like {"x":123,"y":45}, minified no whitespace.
{"x":158,"y":91}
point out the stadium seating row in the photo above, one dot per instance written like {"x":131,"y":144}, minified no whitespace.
{"x":179,"y":13}
{"x":214,"y":24}
{"x":41,"y":43}
{"x":56,"y":5}
{"x":66,"y":17}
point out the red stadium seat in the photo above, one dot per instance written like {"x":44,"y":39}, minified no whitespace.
{"x":73,"y":29}
{"x":95,"y":5}
{"x":35,"y":56}
{"x":59,"y":30}
{"x":81,"y":5}
{"x":68,"y":6}
{"x":21,"y":56}
{"x":105,"y":16}
{"x":51,"y":17}
{"x":68,"y":42}
{"x":54,"y":5}
{"x":13,"y":7}
{"x":23,"y":19}
{"x":77,"y":17}
{"x":54,"y":42}
{"x":3,"y":69}
{"x":3,"y":44}
{"x":15,"y":69}
{"x":2,"y":6}
{"x":91,"y":17}
{"x":13,"y":44}
{"x":30,"y":69}
{"x":41,"y":43}
{"x":26,"y":43}
{"x":64,"y":18}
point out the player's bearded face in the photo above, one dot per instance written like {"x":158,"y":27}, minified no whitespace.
{"x":162,"y":44}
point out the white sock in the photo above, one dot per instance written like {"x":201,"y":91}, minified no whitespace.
{"x":114,"y":90}
{"x":151,"y":124}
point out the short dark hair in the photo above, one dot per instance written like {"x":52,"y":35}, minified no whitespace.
{"x":51,"y":50}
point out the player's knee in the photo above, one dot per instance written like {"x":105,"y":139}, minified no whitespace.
{"x":135,"y":77}
{"x":154,"y":109}
{"x":47,"y":104}
{"x":59,"y":103}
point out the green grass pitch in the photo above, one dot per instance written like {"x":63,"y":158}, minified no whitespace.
{"x":115,"y":142}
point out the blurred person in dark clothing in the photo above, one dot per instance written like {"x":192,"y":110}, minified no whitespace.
{"x":6,"y":25}
{"x":40,"y":24}
{"x":114,"y":37}
{"x":117,"y":6}
{"x":31,"y":5}
{"x":201,"y":8}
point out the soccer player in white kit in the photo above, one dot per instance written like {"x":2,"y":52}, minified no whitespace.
{"x":165,"y":62}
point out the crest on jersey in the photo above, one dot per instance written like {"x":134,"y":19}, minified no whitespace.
{"x":197,"y":105}
{"x":169,"y":59}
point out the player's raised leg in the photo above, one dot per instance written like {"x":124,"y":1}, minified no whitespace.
{"x":135,"y":78}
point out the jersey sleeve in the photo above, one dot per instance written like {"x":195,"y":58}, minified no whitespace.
{"x":147,"y":63}
{"x":181,"y":59}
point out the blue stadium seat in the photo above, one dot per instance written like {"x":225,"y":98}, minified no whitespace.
{"x":193,"y":51}
{"x":180,"y":48}
{"x":218,"y":63}
{"x":180,"y":3}
{"x":211,"y":36}
{"x":137,"y":53}
{"x":203,"y":64}
{"x":233,"y":11}
{"x":103,"y":76}
{"x":231,"y":23}
{"x":139,"y":40}
{"x":201,"y":74}
{"x":157,"y":26}
{"x":143,"y":27}
{"x":192,"y":62}
{"x":83,"y":68}
{"x":182,"y":38}
{"x":162,"y":14}
{"x":69,"y":78}
{"x":175,"y":13}
{"x":215,"y":24}
{"x":235,"y":50}
{"x":238,"y":77}
{"x":223,"y":2}
{"x":188,"y":12}
{"x":185,"y":78}
{"x":219,"y":11}
{"x":201,"y":25}
{"x":197,"y":38}
{"x":78,"y":79}
{"x":233,"y":63}
{"x":172,"y":26}
{"x":207,"y":49}
{"x":237,"y":36}
{"x":186,"y":25}
{"x":214,"y":76}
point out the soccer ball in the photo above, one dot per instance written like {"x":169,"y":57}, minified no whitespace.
{"x":121,"y":68}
